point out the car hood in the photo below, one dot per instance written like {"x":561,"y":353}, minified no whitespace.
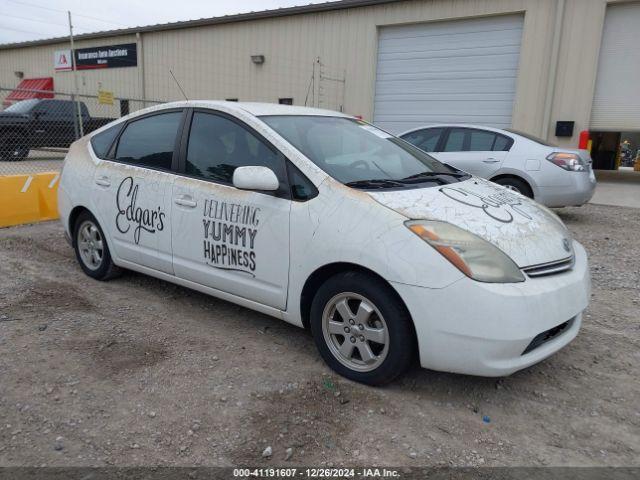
{"x":529,"y":233}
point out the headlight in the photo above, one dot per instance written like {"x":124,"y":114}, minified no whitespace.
{"x":473,"y":256}
{"x":568,"y":161}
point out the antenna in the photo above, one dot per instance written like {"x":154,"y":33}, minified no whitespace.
{"x":178,"y":83}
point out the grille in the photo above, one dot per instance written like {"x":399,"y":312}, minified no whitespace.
{"x":550,"y":268}
{"x":547,"y":335}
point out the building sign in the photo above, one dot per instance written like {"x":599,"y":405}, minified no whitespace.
{"x":62,"y":60}
{"x":105,"y":97}
{"x":111,"y":56}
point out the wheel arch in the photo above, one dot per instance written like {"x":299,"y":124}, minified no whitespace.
{"x":322,"y":274}
{"x":73,"y":217}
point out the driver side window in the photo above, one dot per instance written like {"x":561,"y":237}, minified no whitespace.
{"x":217,"y":146}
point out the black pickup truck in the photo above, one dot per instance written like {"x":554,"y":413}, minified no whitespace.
{"x":42,"y":123}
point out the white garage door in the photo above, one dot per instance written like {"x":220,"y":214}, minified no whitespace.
{"x":616,"y":103}
{"x":461,"y":71}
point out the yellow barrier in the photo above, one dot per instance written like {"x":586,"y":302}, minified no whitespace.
{"x":28,"y":198}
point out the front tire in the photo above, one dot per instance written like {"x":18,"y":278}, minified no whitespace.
{"x":362,"y":329}
{"x":92,"y":251}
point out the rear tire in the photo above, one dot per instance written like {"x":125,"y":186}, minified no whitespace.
{"x":13,"y":148}
{"x":92,"y":251}
{"x":362,"y":329}
{"x":516,"y":185}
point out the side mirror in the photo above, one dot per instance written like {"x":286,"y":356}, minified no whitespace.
{"x":255,"y":178}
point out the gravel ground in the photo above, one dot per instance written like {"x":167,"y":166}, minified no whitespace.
{"x":140,"y":372}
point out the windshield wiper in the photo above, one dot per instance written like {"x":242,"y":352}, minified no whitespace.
{"x":375,"y":183}
{"x":435,"y":175}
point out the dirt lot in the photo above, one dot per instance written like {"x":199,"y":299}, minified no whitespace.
{"x":138,"y":372}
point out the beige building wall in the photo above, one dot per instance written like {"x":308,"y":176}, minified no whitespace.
{"x":214,"y":62}
{"x":328,"y":59}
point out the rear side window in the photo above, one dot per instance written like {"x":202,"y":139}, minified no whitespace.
{"x":426,"y":140}
{"x":502,"y":144}
{"x":217,"y":146}
{"x":101,"y":143}
{"x":481,"y":141}
{"x":474,"y":140}
{"x":455,"y":141}
{"x":150,"y":141}
{"x":56,"y":110}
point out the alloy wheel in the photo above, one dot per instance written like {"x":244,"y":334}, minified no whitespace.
{"x":90,"y":245}
{"x":355,"y":332}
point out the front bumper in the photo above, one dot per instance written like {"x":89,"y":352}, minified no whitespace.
{"x":579,"y":191}
{"x":484,"y":329}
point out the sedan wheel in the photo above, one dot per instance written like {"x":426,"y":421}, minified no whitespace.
{"x":515,"y":185}
{"x":512,"y":188}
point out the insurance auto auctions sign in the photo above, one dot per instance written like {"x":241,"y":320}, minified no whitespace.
{"x":112,"y":56}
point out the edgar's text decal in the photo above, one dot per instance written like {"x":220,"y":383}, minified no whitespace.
{"x":230,"y":232}
{"x":147,"y":219}
{"x":498,"y":205}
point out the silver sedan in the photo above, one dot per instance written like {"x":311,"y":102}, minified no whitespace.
{"x":553,"y":176}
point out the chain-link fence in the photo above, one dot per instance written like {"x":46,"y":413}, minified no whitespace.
{"x":39,"y":125}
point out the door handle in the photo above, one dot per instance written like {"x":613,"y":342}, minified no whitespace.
{"x":490,"y":160}
{"x":185,"y":201}
{"x":103,"y":181}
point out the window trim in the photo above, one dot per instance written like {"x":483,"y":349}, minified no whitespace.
{"x":291,"y":167}
{"x":184,"y":144}
{"x":176,"y":144}
{"x":108,"y":151}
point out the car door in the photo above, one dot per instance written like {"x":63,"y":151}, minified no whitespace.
{"x":235,"y":241}
{"x":133,"y":189}
{"x":479,"y":152}
{"x":43,"y":131}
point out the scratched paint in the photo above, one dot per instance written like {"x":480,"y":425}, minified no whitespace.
{"x":513,"y":222}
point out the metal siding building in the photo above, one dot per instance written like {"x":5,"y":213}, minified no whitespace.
{"x":522,"y":63}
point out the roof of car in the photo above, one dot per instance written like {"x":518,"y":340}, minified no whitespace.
{"x":461,"y":125}
{"x":256,"y":108}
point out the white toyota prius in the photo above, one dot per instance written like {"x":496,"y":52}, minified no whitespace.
{"x":329,"y":223}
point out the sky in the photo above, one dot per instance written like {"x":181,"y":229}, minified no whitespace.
{"x":24,"y":20}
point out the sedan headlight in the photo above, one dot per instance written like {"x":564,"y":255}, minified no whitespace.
{"x":472,"y":255}
{"x":568,"y":161}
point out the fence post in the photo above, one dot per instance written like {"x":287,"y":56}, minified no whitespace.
{"x":75,"y":119}
{"x":75,"y":79}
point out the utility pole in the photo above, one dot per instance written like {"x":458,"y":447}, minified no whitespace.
{"x":79,"y":127}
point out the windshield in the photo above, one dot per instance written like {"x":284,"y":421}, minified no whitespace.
{"x":23,"y":106}
{"x":357,"y":154}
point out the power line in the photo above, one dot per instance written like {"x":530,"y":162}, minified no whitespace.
{"x":48,"y":22}
{"x":31,"y":32}
{"x":65,"y":11}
